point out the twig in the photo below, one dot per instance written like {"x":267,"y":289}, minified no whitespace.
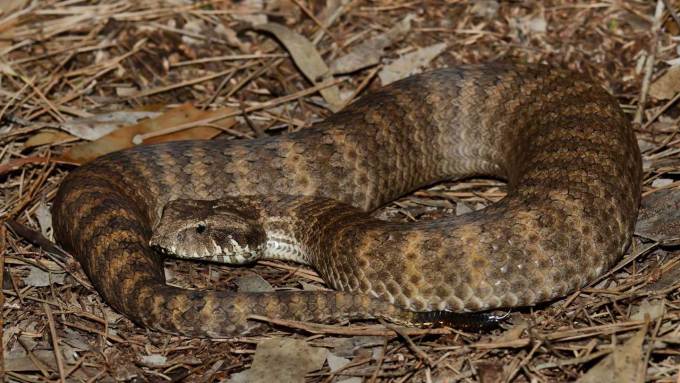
{"x":269,"y":104}
{"x":409,"y":342}
{"x":3,"y":247}
{"x":316,"y":21}
{"x":55,"y":343}
{"x":649,"y":65}
{"x":381,"y":360}
{"x":671,"y":10}
{"x":182,"y":84}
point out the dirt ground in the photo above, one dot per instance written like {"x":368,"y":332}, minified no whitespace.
{"x":72,"y":71}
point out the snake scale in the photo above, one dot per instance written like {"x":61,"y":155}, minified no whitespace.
{"x":567,"y":151}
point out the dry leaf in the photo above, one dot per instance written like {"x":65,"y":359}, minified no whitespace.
{"x":194,"y":27}
{"x":9,"y":6}
{"x":153,"y":360}
{"x":285,"y":8}
{"x":347,"y":347}
{"x":661,"y":182}
{"x":485,"y":8}
{"x":371,"y":51}
{"x":514,"y":333}
{"x":462,"y":208}
{"x":253,"y":283}
{"x":336,"y":363}
{"x":123,"y":138}
{"x":659,"y":217}
{"x":44,"y":216}
{"x":621,"y":365}
{"x":97,"y":126}
{"x":7,"y":69}
{"x":311,"y":286}
{"x":308,"y":59}
{"x":654,"y":308}
{"x":47,"y":137}
{"x":250,"y":11}
{"x":38,"y":278}
{"x":666,"y":86}
{"x":490,"y":371}
{"x":410,"y":63}
{"x":528,"y":25}
{"x":282,"y":360}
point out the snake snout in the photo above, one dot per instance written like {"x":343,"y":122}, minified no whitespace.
{"x":198,"y":229}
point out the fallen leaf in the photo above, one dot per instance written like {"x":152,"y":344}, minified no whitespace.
{"x":7,"y":69}
{"x":92,"y":128}
{"x":19,"y":364}
{"x":490,"y":371}
{"x":311,"y":286}
{"x":75,"y":339}
{"x":485,"y":8}
{"x":513,"y":333}
{"x":661,"y":182}
{"x":659,"y":217}
{"x":336,"y":363}
{"x":347,"y":347}
{"x":194,"y":27}
{"x":410,"y":63}
{"x":37,"y":277}
{"x":282,"y":360}
{"x":123,"y":137}
{"x":286,"y":9}
{"x":666,"y":86}
{"x":250,"y":11}
{"x":47,"y":137}
{"x":646,"y":145}
{"x":44,"y":216}
{"x":528,"y":25}
{"x":654,"y":308}
{"x":663,"y":278}
{"x":370,"y":52}
{"x":308,"y":59}
{"x":253,"y":283}
{"x":153,"y":360}
{"x":127,"y":372}
{"x":621,"y":365}
{"x":462,"y":208}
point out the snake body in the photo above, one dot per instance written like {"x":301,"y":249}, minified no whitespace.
{"x":567,"y":151}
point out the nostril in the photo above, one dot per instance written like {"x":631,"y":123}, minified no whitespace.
{"x":200,"y":228}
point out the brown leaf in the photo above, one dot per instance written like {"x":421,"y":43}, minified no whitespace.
{"x":292,"y":359}
{"x":666,"y":86}
{"x":621,"y":365}
{"x":97,"y":126}
{"x":410,"y":63}
{"x":654,"y":308}
{"x":123,"y":137}
{"x":370,"y":52}
{"x":47,"y":137}
{"x":307,"y":58}
{"x":659,"y":217}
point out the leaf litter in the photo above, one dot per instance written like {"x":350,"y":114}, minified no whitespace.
{"x":202,"y":71}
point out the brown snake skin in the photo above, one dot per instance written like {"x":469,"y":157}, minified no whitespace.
{"x":569,"y":154}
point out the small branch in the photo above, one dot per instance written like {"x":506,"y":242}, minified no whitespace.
{"x":649,"y":65}
{"x":55,"y":343}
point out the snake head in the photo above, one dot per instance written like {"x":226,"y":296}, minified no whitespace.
{"x":221,"y":231}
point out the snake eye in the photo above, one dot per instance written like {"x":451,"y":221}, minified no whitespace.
{"x":200,"y":228}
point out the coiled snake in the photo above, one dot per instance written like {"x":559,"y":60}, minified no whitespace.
{"x":568,"y":153}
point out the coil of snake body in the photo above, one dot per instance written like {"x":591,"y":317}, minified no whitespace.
{"x":568,"y":153}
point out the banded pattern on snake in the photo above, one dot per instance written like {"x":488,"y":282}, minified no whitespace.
{"x":567,"y":151}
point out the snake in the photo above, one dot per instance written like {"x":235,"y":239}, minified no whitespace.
{"x":561,"y":142}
